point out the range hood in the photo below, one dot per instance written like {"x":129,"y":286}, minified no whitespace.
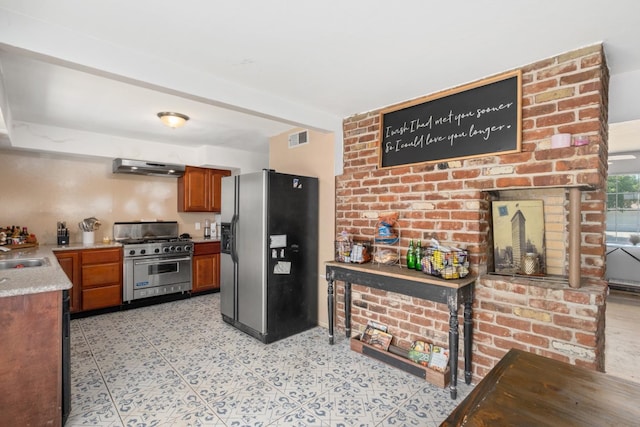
{"x":142,"y":167}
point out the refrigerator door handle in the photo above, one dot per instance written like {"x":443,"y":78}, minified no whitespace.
{"x":234,"y":252}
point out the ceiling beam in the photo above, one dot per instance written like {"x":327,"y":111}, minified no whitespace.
{"x":62,"y":46}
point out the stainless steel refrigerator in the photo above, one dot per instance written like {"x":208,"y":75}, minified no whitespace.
{"x":269,"y":254}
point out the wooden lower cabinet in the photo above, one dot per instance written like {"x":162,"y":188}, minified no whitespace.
{"x":101,"y":297}
{"x":101,"y":278}
{"x":31,"y":360}
{"x":70,"y":263}
{"x":96,"y":275}
{"x":206,"y":266}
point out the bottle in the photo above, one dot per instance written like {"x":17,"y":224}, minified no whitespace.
{"x":418,"y":252}
{"x":411,"y":256}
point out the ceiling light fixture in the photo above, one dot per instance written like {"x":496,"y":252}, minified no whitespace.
{"x":173,"y":120}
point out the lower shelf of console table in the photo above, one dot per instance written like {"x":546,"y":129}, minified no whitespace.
{"x":437,"y":378}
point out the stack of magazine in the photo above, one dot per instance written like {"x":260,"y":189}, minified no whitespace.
{"x":376,"y":335}
{"x":430,"y":355}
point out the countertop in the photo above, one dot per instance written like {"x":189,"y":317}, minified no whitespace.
{"x":51,"y":277}
{"x":33,"y":280}
{"x":203,"y":240}
{"x":80,"y":246}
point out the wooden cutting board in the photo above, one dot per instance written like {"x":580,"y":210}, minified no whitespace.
{"x":22,"y":246}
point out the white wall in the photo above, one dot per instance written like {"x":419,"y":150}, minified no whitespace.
{"x":40,"y":189}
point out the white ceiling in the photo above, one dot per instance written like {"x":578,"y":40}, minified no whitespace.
{"x":247,"y":70}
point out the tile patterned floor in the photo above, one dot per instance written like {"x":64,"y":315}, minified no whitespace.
{"x":179,"y":364}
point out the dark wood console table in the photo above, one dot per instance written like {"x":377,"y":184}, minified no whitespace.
{"x":416,"y":284}
{"x":525,"y":389}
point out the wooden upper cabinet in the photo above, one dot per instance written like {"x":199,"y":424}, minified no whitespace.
{"x":194,"y":185}
{"x":216,"y":190}
{"x":199,"y":189}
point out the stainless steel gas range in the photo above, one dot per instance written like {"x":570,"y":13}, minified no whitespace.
{"x":156,"y":260}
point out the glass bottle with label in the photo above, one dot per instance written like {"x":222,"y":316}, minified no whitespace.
{"x":418,"y":252}
{"x":411,"y":256}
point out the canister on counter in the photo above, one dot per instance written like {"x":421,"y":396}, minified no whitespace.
{"x":207,"y":229}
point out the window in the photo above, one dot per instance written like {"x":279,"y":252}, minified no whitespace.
{"x":623,"y":209}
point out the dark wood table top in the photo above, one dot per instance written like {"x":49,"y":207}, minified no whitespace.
{"x":525,"y":389}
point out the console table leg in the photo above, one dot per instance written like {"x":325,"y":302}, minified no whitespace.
{"x":347,"y":309}
{"x":330,"y":305}
{"x":453,"y":346}
{"x":468,"y":340}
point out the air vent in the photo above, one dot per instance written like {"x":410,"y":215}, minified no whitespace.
{"x":298,"y":138}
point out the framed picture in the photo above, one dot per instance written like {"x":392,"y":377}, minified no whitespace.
{"x":518,"y":237}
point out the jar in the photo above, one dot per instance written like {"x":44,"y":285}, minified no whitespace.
{"x":530,"y":264}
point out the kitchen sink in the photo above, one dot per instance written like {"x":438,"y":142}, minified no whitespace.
{"x":23,"y":263}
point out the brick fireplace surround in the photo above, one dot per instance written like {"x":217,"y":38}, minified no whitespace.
{"x":563,"y":94}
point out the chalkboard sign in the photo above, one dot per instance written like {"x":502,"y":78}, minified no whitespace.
{"x":470,"y":121}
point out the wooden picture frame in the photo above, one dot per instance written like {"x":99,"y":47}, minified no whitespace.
{"x":474,"y":120}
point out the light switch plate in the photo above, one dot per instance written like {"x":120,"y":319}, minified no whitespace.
{"x":197,"y":226}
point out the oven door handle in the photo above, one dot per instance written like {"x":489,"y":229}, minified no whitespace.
{"x":162,"y":261}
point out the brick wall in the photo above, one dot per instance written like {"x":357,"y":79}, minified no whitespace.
{"x":563,"y":94}
{"x":546,"y":317}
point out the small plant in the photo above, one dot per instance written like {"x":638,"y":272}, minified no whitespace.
{"x":634,"y":239}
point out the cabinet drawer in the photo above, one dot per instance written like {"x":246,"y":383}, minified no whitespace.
{"x":101,"y":274}
{"x":101,"y":255}
{"x":102,"y":297}
{"x":206,"y":248}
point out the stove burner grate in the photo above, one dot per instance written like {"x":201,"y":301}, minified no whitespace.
{"x":142,"y":241}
